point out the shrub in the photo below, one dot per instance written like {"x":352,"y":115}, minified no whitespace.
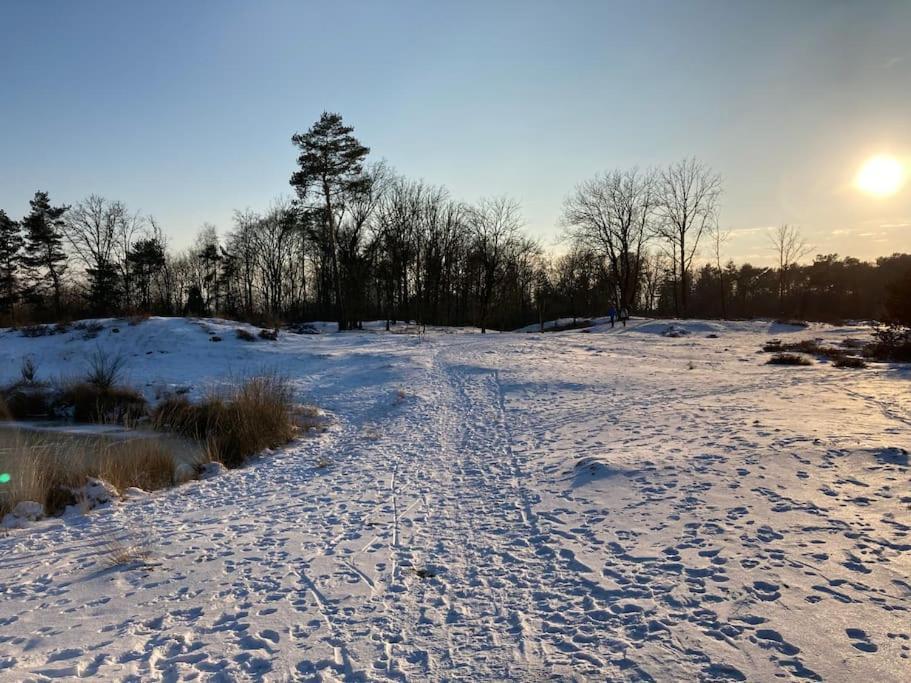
{"x":807,"y":346}
{"x":244,"y":335}
{"x":35,"y":331}
{"x":28,"y":371}
{"x":891,"y":343}
{"x":849,"y":362}
{"x":22,"y":401}
{"x":269,"y":335}
{"x":235,"y":424}
{"x":91,"y":329}
{"x":88,"y":402}
{"x":104,"y":369}
{"x":789,"y":359}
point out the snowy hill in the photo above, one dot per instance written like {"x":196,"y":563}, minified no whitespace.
{"x":622,"y":505}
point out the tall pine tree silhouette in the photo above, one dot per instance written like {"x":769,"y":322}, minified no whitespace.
{"x":331,"y":171}
{"x":10,"y":256}
{"x":44,"y":258}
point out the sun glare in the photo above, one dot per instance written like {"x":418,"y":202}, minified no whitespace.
{"x":880,"y":176}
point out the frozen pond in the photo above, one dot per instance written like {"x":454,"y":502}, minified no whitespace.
{"x":68,"y":438}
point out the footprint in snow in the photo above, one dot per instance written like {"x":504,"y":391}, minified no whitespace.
{"x":861,"y":640}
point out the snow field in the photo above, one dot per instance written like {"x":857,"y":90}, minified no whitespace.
{"x":488,"y":507}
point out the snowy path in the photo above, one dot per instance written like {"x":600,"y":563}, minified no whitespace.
{"x":504,"y":507}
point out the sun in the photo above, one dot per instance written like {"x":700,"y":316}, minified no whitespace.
{"x":881,"y":176}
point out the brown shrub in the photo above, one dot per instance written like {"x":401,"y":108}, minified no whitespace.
{"x":807,"y":346}
{"x":849,"y":362}
{"x":788,"y":359}
{"x":23,"y":401}
{"x":107,"y":405}
{"x":244,"y":335}
{"x":269,"y":335}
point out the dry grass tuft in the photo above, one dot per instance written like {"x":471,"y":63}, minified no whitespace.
{"x":234,"y":424}
{"x":126,"y":551}
{"x":244,"y":335}
{"x":143,"y":463}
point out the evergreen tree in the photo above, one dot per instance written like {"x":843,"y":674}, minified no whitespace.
{"x":104,"y":288}
{"x":331,"y":172}
{"x":210,"y":258}
{"x":44,"y":258}
{"x":10,"y":255}
{"x":146,"y":259}
{"x":196,"y":306}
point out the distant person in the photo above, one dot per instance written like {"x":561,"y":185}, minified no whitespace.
{"x":624,"y":316}
{"x":612,"y":313}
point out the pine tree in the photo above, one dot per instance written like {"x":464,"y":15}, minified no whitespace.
{"x":10,"y":256}
{"x":331,"y":172}
{"x":104,"y":288}
{"x":44,"y":258}
{"x":146,"y":259}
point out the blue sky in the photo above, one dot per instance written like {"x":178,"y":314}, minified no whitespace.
{"x":185,"y":110}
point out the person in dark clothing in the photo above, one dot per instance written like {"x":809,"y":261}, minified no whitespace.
{"x":612,"y":313}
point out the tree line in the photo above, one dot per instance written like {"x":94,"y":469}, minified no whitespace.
{"x":358,"y":241}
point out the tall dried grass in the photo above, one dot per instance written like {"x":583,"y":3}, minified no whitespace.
{"x":49,"y":469}
{"x":234,"y":423}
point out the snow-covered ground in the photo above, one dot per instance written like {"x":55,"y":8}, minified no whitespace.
{"x":607,"y":505}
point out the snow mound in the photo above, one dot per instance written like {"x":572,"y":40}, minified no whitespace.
{"x":24,"y":512}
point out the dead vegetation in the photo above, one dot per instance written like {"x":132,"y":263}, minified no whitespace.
{"x":890,"y":344}
{"x":53,"y":472}
{"x":789,"y":359}
{"x":234,"y":423}
{"x":840,"y":357}
{"x":849,"y":362}
{"x":126,"y":550}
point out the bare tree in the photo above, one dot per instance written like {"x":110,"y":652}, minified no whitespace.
{"x":688,"y":201}
{"x":92,"y":228}
{"x":655,"y":265}
{"x":790,"y":247}
{"x":495,"y":224}
{"x":612,"y":214}
{"x":719,"y":239}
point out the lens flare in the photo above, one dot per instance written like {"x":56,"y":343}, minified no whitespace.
{"x":4,"y":478}
{"x":880,"y":176}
